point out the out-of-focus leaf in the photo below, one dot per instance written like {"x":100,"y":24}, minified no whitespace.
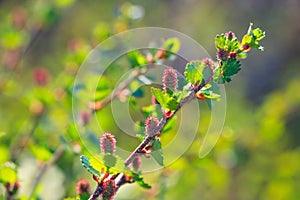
{"x":172,"y":46}
{"x":8,"y":174}
{"x":4,"y":154}
{"x":40,"y":153}
{"x":136,"y":59}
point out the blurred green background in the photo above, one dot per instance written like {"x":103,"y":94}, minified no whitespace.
{"x":42,"y":44}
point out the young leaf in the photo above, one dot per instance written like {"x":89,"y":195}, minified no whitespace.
{"x":139,"y":179}
{"x":136,"y":59}
{"x":172,"y":45}
{"x":86,"y":163}
{"x":165,"y":100}
{"x":40,"y":153}
{"x":157,"y":152}
{"x":193,"y":71}
{"x":101,"y":162}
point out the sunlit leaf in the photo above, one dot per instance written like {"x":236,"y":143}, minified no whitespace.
{"x":7,"y":174}
{"x":157,"y":152}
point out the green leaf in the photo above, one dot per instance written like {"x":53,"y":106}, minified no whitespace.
{"x":193,"y":71}
{"x":165,"y":100}
{"x":107,"y":161}
{"x":152,"y":110}
{"x":86,"y":163}
{"x":140,"y":130}
{"x":171,"y":45}
{"x":4,"y":154}
{"x":157,"y":152}
{"x":40,"y":153}
{"x":171,"y":123}
{"x":139,"y":179}
{"x":253,"y":36}
{"x":229,"y":68}
{"x":8,"y":174}
{"x":136,"y":59}
{"x":220,"y":42}
{"x":72,"y":132}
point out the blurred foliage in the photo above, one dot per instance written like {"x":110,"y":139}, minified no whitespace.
{"x":42,"y":45}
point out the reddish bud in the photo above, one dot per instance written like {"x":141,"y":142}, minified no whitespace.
{"x":97,"y":105}
{"x":41,"y":76}
{"x":232,"y":55}
{"x":150,"y":58}
{"x":150,"y":124}
{"x":19,"y":17}
{"x":170,"y":79}
{"x":169,"y":114}
{"x":84,"y":117}
{"x":108,"y":143}
{"x":160,"y":53}
{"x":96,"y":179}
{"x":222,"y":54}
{"x":82,"y":186}
{"x":109,"y":190}
{"x":200,"y":96}
{"x":246,"y":47}
{"x":10,"y":58}
{"x":146,"y":151}
{"x":230,"y":35}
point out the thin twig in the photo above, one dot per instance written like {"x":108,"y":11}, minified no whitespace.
{"x":57,"y":154}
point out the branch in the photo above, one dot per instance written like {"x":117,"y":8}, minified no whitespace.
{"x":154,"y":131}
{"x":57,"y":154}
{"x":123,"y":85}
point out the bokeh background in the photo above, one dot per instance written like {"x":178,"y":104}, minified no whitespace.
{"x":42,"y":44}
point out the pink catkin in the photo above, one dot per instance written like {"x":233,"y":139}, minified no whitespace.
{"x":151,"y":123}
{"x":108,"y":143}
{"x":109,"y":190}
{"x":170,"y":79}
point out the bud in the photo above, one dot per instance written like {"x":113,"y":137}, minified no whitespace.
{"x":151,"y":123}
{"x":209,"y":62}
{"x":230,"y":35}
{"x":200,"y":96}
{"x":170,"y":79}
{"x":41,"y":76}
{"x":136,"y":163}
{"x":108,"y":143}
{"x":150,"y":58}
{"x":222,"y":54}
{"x":169,"y":114}
{"x":82,"y":186}
{"x":246,"y":47}
{"x":160,"y":53}
{"x":232,"y":55}
{"x":84,"y":117}
{"x":109,"y":190}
